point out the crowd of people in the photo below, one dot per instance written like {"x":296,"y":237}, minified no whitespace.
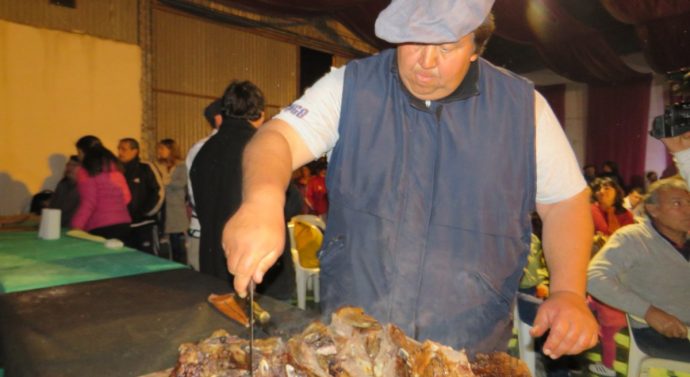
{"x":160,"y":207}
{"x":640,"y":262}
{"x":415,"y":225}
{"x":123,"y":197}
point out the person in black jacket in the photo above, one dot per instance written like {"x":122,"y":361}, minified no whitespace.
{"x":66,"y":196}
{"x":216,"y":172}
{"x":147,"y":196}
{"x":216,"y":177}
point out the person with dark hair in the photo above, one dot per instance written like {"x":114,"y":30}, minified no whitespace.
{"x":40,"y":201}
{"x":610,"y":169}
{"x":215,"y":172}
{"x":300,"y":179}
{"x":217,"y":185}
{"x":589,"y":171}
{"x":649,"y":178}
{"x":85,"y":143}
{"x":214,"y":117}
{"x":609,"y":215}
{"x":147,"y":192}
{"x":608,"y":212}
{"x":66,"y":196}
{"x":437,"y":159}
{"x":633,"y":201}
{"x":103,"y":192}
{"x":170,"y":165}
{"x":316,"y":193}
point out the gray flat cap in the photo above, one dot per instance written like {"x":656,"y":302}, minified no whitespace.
{"x":430,"y":21}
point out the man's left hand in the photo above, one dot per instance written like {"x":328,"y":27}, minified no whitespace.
{"x":573,"y":327}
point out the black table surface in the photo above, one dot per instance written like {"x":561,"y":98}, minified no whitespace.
{"x":120,"y":327}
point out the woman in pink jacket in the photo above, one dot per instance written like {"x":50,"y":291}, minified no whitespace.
{"x":103,"y":192}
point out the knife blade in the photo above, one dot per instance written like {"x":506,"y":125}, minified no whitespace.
{"x":251,"y":328}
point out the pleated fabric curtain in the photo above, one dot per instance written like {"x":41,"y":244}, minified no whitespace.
{"x":617,"y":126}
{"x":662,"y":27}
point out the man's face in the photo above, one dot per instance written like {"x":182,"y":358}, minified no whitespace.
{"x":672,"y":212}
{"x":635,"y":198}
{"x":125,"y":152}
{"x":432,"y":72}
{"x":71,"y":169}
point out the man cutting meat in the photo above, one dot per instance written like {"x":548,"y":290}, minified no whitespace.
{"x":437,"y":159}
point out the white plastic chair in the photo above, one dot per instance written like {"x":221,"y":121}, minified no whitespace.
{"x":525,"y":341}
{"x":639,"y":362}
{"x":306,"y":278}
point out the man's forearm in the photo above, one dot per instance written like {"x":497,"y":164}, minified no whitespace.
{"x":266,"y":167}
{"x":269,"y":159}
{"x":567,"y":241}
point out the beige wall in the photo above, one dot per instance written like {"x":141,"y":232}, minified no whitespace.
{"x":110,"y":19}
{"x":54,"y":88}
{"x":194,"y":60}
{"x":576,"y":118}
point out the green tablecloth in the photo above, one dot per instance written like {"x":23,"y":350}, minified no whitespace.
{"x":27,"y":262}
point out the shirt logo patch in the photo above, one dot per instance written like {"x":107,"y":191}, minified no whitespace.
{"x":297,"y":110}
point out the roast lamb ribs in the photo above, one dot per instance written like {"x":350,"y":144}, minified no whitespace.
{"x":353,"y":345}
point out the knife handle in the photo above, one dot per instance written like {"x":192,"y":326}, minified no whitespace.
{"x":260,"y":315}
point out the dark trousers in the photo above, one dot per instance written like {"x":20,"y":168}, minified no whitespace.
{"x":118,"y":231}
{"x":142,"y":238}
{"x":178,"y":248}
{"x":654,"y":344}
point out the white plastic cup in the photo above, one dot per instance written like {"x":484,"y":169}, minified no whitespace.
{"x":49,"y":228}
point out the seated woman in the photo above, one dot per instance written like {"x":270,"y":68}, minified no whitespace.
{"x":609,"y":215}
{"x":103,"y":192}
{"x":608,"y":211}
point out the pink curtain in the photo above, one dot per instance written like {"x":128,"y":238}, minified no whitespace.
{"x":555,"y":95}
{"x":617,"y":118}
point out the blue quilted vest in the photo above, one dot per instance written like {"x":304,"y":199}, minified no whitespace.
{"x":429,"y":221}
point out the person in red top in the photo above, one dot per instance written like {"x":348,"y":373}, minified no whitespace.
{"x":103,"y":192}
{"x":609,"y":215}
{"x":301,"y":177}
{"x":316,"y":194}
{"x":608,"y":212}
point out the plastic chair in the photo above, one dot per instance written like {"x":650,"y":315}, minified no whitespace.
{"x":313,"y":220}
{"x":306,"y":277}
{"x":525,"y":341}
{"x":639,"y":362}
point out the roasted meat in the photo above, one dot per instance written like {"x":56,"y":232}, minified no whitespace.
{"x":353,"y":345}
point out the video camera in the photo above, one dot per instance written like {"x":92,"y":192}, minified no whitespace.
{"x":674,"y":122}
